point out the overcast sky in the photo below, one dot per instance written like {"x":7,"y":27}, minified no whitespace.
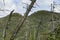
{"x":20,"y":7}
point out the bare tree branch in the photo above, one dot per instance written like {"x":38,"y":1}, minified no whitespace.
{"x":22,"y":21}
{"x":9,"y":18}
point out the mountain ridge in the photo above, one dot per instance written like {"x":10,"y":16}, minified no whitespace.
{"x":31,"y":24}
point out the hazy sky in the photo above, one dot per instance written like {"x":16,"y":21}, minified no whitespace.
{"x":20,"y":7}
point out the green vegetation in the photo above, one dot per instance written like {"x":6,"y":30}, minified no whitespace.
{"x":29,"y":29}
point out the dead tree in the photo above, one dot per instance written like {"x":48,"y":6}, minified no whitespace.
{"x":9,"y":19}
{"x":22,"y":21}
{"x":52,"y":18}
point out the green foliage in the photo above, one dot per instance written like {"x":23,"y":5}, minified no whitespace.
{"x":55,"y":35}
{"x":30,"y":26}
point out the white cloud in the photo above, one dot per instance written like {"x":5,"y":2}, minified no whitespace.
{"x":9,"y":4}
{"x":1,"y":1}
{"x":26,"y":1}
{"x":44,"y":2}
{"x":57,"y":9}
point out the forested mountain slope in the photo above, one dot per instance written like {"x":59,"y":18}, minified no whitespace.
{"x":40,"y":21}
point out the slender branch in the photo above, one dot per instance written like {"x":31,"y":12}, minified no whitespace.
{"x":9,"y":18}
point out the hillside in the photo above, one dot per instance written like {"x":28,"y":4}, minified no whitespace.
{"x":46,"y":24}
{"x":41,"y":19}
{"x":14,"y":22}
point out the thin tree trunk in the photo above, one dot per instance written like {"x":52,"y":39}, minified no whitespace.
{"x":9,"y":19}
{"x":22,"y":21}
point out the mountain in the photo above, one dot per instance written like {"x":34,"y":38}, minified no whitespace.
{"x":41,"y":19}
{"x":45,"y":17}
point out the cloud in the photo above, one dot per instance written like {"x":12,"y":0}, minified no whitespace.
{"x":26,"y":1}
{"x":18,"y":6}
{"x":57,"y":9}
{"x":44,"y":2}
{"x":9,"y":5}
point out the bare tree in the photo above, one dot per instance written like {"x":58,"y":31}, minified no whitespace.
{"x":22,"y":21}
{"x":9,"y":18}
